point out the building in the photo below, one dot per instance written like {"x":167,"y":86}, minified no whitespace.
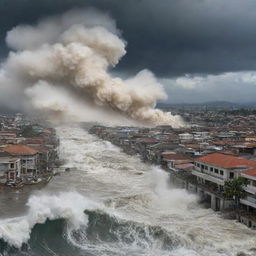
{"x":172,"y":160}
{"x":10,"y":170}
{"x":141,"y":145}
{"x":250,"y":188}
{"x":214,"y":169}
{"x":154,"y":152}
{"x":186,"y":137}
{"x":28,"y":156}
{"x":247,"y":214}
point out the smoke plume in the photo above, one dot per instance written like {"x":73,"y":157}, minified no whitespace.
{"x":61,"y":66}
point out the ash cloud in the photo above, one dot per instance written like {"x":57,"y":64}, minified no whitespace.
{"x":61,"y":66}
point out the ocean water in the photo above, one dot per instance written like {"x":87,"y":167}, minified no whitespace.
{"x":110,"y":203}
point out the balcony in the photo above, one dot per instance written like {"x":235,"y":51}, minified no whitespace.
{"x":250,"y":201}
{"x":250,"y":189}
{"x":208,"y":177}
{"x":28,"y":166}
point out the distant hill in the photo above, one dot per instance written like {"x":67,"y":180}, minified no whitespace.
{"x":208,"y":105}
{"x":5,"y":110}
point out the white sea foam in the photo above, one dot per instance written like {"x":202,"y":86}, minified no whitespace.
{"x":168,"y":198}
{"x":149,"y":199}
{"x":66,"y":205}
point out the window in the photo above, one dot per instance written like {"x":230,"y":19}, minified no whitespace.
{"x":221,"y":173}
{"x":206,"y":167}
{"x":202,"y":166}
{"x":216,"y":170}
{"x":12,"y":165}
{"x":211,"y":169}
{"x":231,"y":175}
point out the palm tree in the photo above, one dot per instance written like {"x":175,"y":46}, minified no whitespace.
{"x":234,"y":189}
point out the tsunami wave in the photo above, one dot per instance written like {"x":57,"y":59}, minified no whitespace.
{"x":69,"y":206}
{"x":69,"y":223}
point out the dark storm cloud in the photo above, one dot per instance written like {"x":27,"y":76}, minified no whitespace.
{"x":170,"y":37}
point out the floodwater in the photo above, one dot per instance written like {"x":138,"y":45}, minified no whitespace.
{"x":110,"y":203}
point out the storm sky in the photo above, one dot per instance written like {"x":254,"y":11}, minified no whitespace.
{"x":201,"y":50}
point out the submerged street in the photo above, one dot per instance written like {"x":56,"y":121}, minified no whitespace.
{"x":130,"y":209}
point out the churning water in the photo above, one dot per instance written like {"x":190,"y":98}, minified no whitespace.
{"x":110,"y":203}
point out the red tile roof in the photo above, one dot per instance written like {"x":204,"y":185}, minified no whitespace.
{"x":20,"y":150}
{"x":226,"y":161}
{"x":251,"y":172}
{"x":47,"y":131}
{"x":225,"y":143}
{"x":41,"y":149}
{"x":146,"y":140}
{"x":250,"y":144}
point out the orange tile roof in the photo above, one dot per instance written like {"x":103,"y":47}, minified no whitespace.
{"x":226,"y":161}
{"x":41,"y":149}
{"x":146,"y":140}
{"x":251,"y":172}
{"x":47,"y":131}
{"x":225,"y":143}
{"x":20,"y":150}
{"x":250,"y":144}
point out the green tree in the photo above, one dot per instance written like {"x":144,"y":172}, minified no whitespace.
{"x":234,"y":189}
{"x":27,"y":131}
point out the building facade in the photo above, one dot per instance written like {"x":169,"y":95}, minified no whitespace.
{"x":10,"y":170}
{"x":28,"y":157}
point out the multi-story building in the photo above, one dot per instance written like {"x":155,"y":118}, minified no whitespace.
{"x":28,"y":156}
{"x":172,"y":160}
{"x":186,"y":137}
{"x":214,"y":169}
{"x":10,"y":170}
{"x":247,"y":214}
{"x":250,"y":189}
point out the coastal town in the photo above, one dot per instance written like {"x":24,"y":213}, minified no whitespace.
{"x":215,"y":157}
{"x":28,"y":151}
{"x":128,"y":128}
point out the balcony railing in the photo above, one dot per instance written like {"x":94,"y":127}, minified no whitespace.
{"x":217,"y":180}
{"x":250,"y":189}
{"x":250,"y":201}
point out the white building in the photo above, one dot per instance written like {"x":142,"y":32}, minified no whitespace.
{"x":29,"y":158}
{"x":250,"y":199}
{"x":186,"y":137}
{"x":214,"y":169}
{"x":10,"y":170}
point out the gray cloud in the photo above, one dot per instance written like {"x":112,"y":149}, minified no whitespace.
{"x":204,"y":38}
{"x":231,"y":86}
{"x":169,"y":37}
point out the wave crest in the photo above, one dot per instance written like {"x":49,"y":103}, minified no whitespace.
{"x":67,"y":205}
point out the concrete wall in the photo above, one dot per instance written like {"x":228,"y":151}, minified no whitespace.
{"x":246,"y":221}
